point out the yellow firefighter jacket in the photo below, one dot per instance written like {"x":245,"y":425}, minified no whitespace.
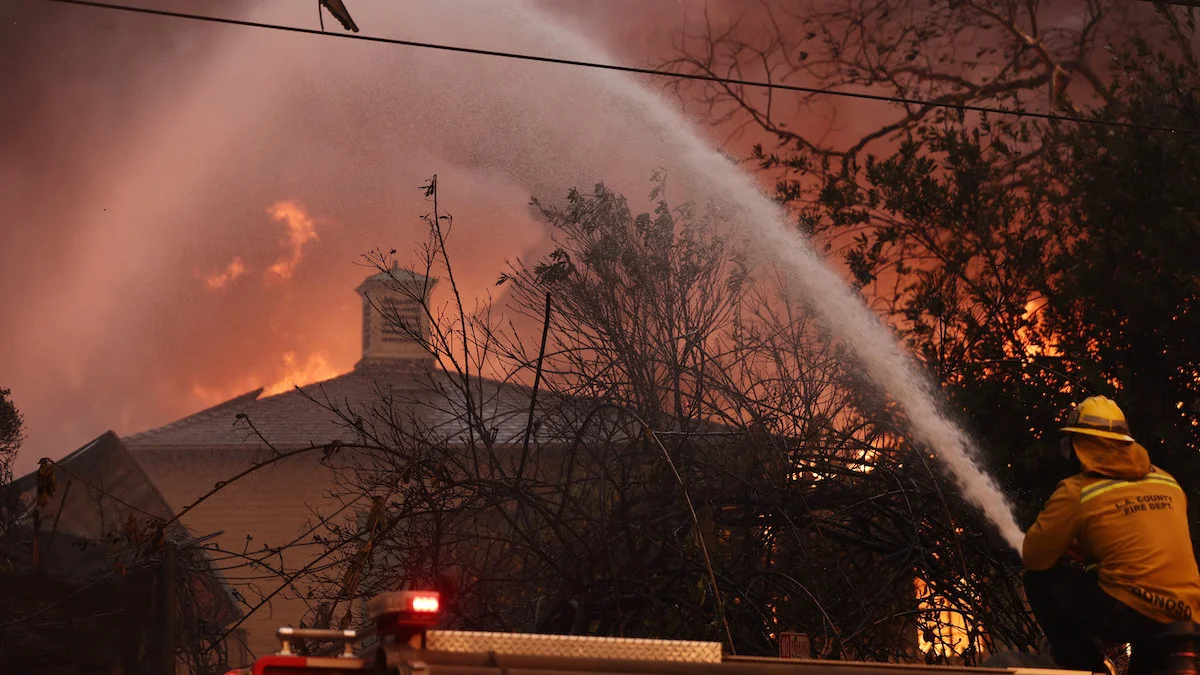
{"x":1127,"y":517}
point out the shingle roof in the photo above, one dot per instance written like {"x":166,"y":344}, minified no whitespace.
{"x":306,"y":417}
{"x":108,"y":487}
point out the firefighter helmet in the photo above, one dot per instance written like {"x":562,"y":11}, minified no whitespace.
{"x":1098,"y":416}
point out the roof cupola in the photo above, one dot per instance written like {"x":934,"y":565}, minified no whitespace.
{"x":395,"y":326}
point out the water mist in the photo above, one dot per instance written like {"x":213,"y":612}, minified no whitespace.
{"x":549,"y":127}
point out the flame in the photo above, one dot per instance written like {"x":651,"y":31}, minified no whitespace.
{"x":210,"y":396}
{"x":300,"y":231}
{"x":1033,"y":307}
{"x":941,"y":620}
{"x":315,"y":369}
{"x":218,"y":281}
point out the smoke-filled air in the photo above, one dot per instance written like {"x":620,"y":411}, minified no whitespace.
{"x":548,"y":128}
{"x":680,"y":332}
{"x":357,"y":118}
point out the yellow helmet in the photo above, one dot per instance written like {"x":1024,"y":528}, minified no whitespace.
{"x":1098,"y":416}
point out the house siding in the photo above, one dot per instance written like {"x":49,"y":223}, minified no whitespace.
{"x":274,"y":506}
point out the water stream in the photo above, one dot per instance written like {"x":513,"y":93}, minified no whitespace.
{"x":541,"y":125}
{"x":370,"y":112}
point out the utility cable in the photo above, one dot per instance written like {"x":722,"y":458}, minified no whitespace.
{"x":1178,"y":3}
{"x":962,"y":107}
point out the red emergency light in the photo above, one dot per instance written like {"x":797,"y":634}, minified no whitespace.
{"x":424,"y":602}
{"x":403,"y":615}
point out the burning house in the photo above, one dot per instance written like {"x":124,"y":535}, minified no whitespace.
{"x":255,"y":473}
{"x":253,"y":466}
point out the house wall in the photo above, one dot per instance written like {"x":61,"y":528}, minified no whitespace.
{"x":274,"y":506}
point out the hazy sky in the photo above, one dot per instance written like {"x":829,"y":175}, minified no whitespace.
{"x":182,"y":205}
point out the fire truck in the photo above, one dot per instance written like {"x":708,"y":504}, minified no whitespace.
{"x":406,"y":644}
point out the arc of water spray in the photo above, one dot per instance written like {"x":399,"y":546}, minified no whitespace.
{"x":533,"y":140}
{"x":872,"y":344}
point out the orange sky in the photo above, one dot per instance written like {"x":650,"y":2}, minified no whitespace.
{"x":180,"y":223}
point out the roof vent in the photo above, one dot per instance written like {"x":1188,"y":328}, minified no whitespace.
{"x":395,"y":323}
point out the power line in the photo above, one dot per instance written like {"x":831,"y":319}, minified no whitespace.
{"x":1180,"y":3}
{"x":963,"y":107}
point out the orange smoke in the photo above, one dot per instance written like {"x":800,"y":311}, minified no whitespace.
{"x":234,"y":270}
{"x":315,"y":369}
{"x":300,"y":231}
{"x":210,"y":396}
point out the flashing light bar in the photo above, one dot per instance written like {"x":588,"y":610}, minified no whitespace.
{"x":405,"y":607}
{"x":424,"y":603}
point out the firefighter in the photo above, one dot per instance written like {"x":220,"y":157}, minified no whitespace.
{"x":1109,"y":560}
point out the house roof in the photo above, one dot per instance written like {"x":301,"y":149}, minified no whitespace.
{"x":379,"y":392}
{"x":320,"y":413}
{"x":107,"y":487}
{"x":102,"y":497}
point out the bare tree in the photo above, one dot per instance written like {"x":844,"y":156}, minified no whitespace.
{"x":696,"y":464}
{"x":934,"y":59}
{"x":965,"y":230}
